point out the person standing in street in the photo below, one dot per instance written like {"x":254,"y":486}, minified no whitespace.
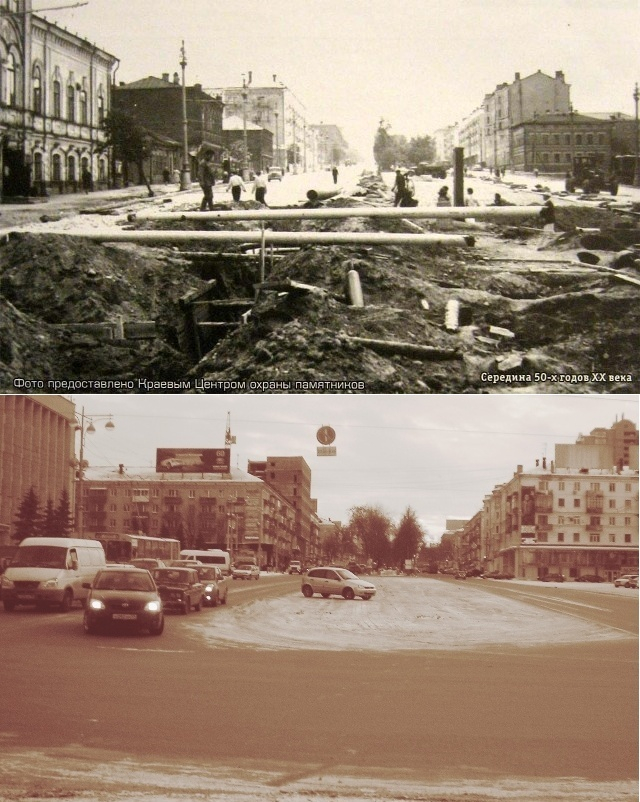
{"x":236,"y":185}
{"x":206,"y":179}
{"x":334,"y":173}
{"x":408,"y":195}
{"x":470,"y":200}
{"x":398,"y":187}
{"x":260,"y":187}
{"x":443,"y":199}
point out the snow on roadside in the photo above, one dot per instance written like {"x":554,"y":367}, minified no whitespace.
{"x":406,"y":613}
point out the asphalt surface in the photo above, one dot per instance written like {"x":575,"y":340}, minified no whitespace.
{"x":401,"y":721}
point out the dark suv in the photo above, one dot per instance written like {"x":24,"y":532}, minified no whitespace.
{"x":126,"y":596}
{"x":180,"y":588}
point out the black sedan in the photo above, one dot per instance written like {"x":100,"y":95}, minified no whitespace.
{"x":180,"y":588}
{"x":127,"y":597}
{"x":551,"y":578}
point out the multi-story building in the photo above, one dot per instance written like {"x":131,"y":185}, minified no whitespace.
{"x":446,"y":140}
{"x":471,"y":137}
{"x":331,"y":144}
{"x":291,"y":477}
{"x":576,"y":516}
{"x":259,"y":142}
{"x":156,"y":104}
{"x":36,"y":451}
{"x":234,"y":511}
{"x":54,"y":97}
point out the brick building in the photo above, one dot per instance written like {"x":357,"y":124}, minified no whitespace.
{"x":54,"y":96}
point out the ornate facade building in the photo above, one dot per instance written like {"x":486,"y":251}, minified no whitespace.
{"x":54,"y":96}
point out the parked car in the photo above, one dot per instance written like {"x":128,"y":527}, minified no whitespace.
{"x":626,"y":580}
{"x":180,"y":588}
{"x":295,"y":567}
{"x":474,"y":572}
{"x":147,"y":562}
{"x":183,"y":564}
{"x":552,"y":578}
{"x":329,"y":581}
{"x":590,"y":578}
{"x":214,"y":585}
{"x":275,"y":174}
{"x":245,"y":571}
{"x":127,"y":596}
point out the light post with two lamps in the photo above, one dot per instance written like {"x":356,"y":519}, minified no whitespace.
{"x":85,"y":425}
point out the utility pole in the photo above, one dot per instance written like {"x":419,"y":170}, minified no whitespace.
{"x":636,"y":97}
{"x":185,"y":175}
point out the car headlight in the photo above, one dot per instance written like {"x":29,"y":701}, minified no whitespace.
{"x":96,"y":604}
{"x":208,"y":589}
{"x":153,"y":606}
{"x":50,"y":583}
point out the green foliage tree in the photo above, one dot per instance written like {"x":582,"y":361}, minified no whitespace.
{"x":28,"y":519}
{"x":48,"y":520}
{"x":420,"y":149}
{"x":408,"y":538}
{"x":371,"y":527}
{"x":130,"y":143}
{"x":63,"y":517}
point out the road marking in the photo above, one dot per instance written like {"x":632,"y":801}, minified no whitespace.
{"x":136,"y":649}
{"x":558,"y":599}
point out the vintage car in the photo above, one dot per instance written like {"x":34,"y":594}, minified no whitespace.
{"x":180,"y":588}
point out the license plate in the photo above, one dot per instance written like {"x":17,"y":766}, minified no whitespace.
{"x":125,"y":616}
{"x":26,"y":596}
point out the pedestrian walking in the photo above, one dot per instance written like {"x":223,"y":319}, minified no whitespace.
{"x":260,"y":187}
{"x":408,"y":196}
{"x":236,"y":185}
{"x":334,"y":173}
{"x":399,"y":187}
{"x":548,"y":214}
{"x":470,"y":200}
{"x":87,"y":180}
{"x":443,"y":199}
{"x":206,"y":179}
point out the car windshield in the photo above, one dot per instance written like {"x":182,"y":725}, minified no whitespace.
{"x":207,"y":573}
{"x":167,"y":576}
{"x":124,"y":580}
{"x":344,"y":574}
{"x":40,"y":557}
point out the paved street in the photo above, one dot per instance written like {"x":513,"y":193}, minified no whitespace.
{"x":188,"y":714}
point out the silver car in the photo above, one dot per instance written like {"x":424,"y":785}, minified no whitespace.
{"x":332,"y":581}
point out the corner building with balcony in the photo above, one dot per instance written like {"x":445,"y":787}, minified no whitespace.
{"x":54,"y":96}
{"x":576,"y":516}
{"x":236,"y":512}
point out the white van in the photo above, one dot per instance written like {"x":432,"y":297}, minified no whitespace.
{"x":209,"y":557}
{"x":51,"y":570}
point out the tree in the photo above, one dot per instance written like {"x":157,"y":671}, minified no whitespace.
{"x":371,"y":527}
{"x":48,"y":521}
{"x":63,"y":517}
{"x":130,"y":142}
{"x":27,"y":522}
{"x":421,"y":149}
{"x":409,"y":535}
{"x":388,"y":149}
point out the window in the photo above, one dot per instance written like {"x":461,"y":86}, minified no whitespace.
{"x":576,"y":537}
{"x":612,"y":504}
{"x":578,"y":139}
{"x":37,"y":90}
{"x":543,"y":485}
{"x":541,"y":537}
{"x":567,"y":139}
{"x":560,"y":485}
{"x":84,"y":109}
{"x":627,"y":504}
{"x":10,"y":80}
{"x":612,"y":538}
{"x":57,"y":99}
{"x":594,"y":538}
{"x":173,"y":493}
{"x":612,"y":520}
{"x":594,"y":486}
{"x":627,"y":487}
{"x":627,"y":521}
{"x":560,"y":537}
{"x":576,"y":503}
{"x":576,"y":485}
{"x":594,"y":520}
{"x":589,"y":139}
{"x":627,"y":538}
{"x":560,"y":502}
{"x":71,"y":103}
{"x":38,"y":172}
{"x":560,"y":519}
{"x":71,"y":176}
{"x":192,"y":494}
{"x":612,"y":487}
{"x":56,"y":175}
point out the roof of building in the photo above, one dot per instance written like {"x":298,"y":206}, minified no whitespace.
{"x":151,"y":475}
{"x":150,"y":82}
{"x":561,"y":117}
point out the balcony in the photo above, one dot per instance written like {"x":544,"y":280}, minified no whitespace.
{"x":594,"y":527}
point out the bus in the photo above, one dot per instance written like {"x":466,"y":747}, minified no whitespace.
{"x":122,"y":548}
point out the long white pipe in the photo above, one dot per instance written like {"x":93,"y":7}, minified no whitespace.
{"x":272,"y":237}
{"x":456,"y":212}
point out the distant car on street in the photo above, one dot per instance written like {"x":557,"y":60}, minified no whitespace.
{"x":295,"y":567}
{"x":552,"y":578}
{"x":275,"y":174}
{"x":626,"y":581}
{"x":329,"y":581}
{"x":147,"y":562}
{"x":214,"y":585}
{"x":123,"y":597}
{"x":245,"y":571}
{"x":180,"y":588}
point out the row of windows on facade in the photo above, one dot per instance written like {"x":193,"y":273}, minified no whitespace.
{"x":594,"y":486}
{"x":594,"y":520}
{"x":66,"y":169}
{"x":542,"y":537}
{"x":175,"y":493}
{"x":77,"y":104}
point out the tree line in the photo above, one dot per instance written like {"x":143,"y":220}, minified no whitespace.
{"x":395,"y":150}
{"x":35,"y":520}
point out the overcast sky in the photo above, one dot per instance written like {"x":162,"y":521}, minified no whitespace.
{"x":438,"y":454}
{"x":420,"y":64}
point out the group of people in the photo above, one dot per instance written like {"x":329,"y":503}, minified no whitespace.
{"x":404,"y":189}
{"x":235,"y":184}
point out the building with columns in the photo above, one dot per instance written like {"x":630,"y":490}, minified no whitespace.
{"x":54,"y":96}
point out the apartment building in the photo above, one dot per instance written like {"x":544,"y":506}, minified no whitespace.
{"x":54,"y":97}
{"x":36,"y":451}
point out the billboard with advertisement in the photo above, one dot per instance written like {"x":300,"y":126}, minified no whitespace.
{"x":193,"y":460}
{"x":528,"y":506}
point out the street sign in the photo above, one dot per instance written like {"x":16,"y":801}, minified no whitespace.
{"x":326,"y":451}
{"x":325,"y":435}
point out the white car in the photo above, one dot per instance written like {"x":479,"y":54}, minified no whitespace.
{"x":626,"y":581}
{"x":245,"y":571}
{"x":331,"y":581}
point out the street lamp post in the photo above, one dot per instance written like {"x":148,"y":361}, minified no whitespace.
{"x":185,"y":175}
{"x":636,"y":97}
{"x":90,"y":428}
{"x":277,"y":142}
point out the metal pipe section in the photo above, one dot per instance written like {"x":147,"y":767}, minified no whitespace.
{"x":355,"y":289}
{"x":224,"y":215}
{"x":272,"y":237}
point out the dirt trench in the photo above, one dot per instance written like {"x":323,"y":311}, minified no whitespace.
{"x":71,"y":309}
